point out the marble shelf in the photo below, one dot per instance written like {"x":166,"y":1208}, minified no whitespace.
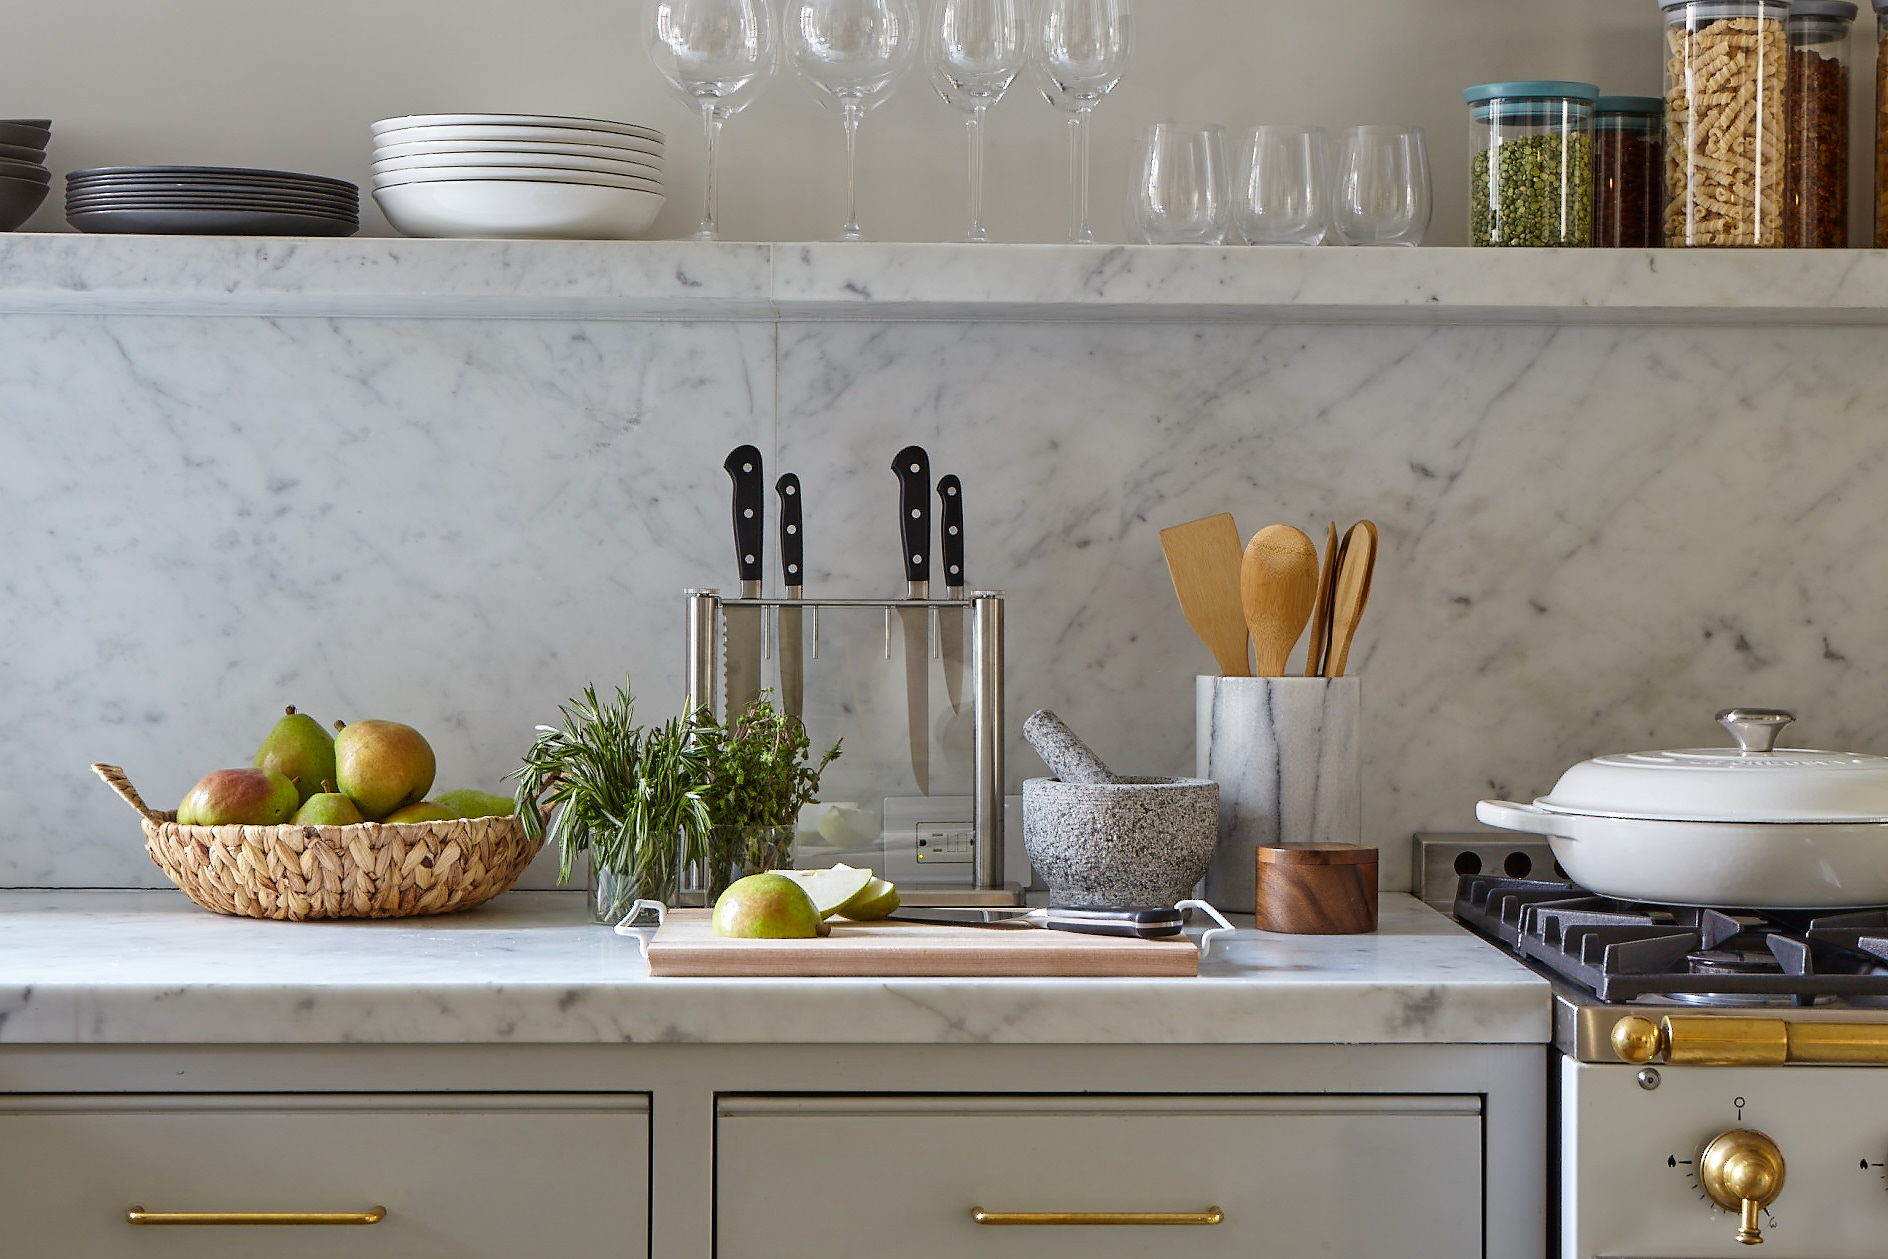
{"x":686,"y":280}
{"x":148,"y":967}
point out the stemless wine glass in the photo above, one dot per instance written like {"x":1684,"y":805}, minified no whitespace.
{"x":854,"y":51}
{"x":715,"y":54}
{"x":1382,"y":195}
{"x":1280,"y":181}
{"x":1080,"y":51}
{"x":1180,"y":191}
{"x":975,"y":48}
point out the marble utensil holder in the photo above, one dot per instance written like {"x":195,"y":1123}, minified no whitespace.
{"x":1136,"y":842}
{"x":1284,"y":752}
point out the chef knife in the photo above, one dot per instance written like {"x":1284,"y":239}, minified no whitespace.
{"x":1145,"y":924}
{"x":793,"y":581}
{"x":950,"y":621}
{"x":913,"y":468}
{"x":741,"y":652}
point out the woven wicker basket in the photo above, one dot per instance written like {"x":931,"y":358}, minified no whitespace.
{"x":305,"y":872}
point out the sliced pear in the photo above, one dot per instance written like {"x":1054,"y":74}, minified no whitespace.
{"x":832,"y":888}
{"x":876,"y":900}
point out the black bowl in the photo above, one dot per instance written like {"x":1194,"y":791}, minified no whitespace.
{"x":18,"y":199}
{"x":22,"y":153}
{"x":33,"y":133}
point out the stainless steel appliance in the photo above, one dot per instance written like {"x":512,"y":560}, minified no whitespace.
{"x":1714,"y":1089}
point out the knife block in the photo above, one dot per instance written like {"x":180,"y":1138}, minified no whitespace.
{"x":983,"y":616}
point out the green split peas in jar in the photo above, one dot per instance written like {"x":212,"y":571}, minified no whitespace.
{"x":1531,"y":163}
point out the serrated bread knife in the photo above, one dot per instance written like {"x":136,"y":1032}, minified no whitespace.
{"x":1145,"y":924}
{"x":793,"y":582}
{"x":913,"y":468}
{"x":742,"y":625}
{"x":950,"y":621}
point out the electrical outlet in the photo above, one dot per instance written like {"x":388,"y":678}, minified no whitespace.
{"x":933,"y":840}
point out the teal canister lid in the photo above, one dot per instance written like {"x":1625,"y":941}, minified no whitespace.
{"x":1645,"y":106}
{"x":1522,"y":89}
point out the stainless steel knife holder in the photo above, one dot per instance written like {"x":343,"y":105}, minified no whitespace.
{"x":707,"y":629}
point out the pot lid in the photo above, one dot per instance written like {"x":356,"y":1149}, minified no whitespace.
{"x":1754,"y":782}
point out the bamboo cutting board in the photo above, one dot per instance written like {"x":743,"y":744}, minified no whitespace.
{"x":685,"y":947}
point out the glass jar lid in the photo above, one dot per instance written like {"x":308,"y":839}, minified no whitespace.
{"x":1840,"y":10}
{"x":1753,"y":782}
{"x":1553,"y":89}
{"x":1648,"y":106}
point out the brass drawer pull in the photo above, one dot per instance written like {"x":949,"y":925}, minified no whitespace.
{"x":1212,"y":1215}
{"x":138,"y":1215}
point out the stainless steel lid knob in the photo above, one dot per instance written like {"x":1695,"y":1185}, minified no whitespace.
{"x":1755,"y":729}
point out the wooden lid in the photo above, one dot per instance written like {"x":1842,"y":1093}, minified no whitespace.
{"x":1318,"y":855}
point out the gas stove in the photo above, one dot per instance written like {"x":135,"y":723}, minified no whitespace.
{"x":1714,"y":1073}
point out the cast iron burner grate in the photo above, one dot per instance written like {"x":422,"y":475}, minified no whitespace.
{"x":1624,"y":949}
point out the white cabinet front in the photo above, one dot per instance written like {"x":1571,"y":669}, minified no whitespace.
{"x":362,"y":1176}
{"x":1262,"y":1177}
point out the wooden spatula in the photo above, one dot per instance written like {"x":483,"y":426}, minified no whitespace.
{"x":1321,"y":610}
{"x":1203,"y":558}
{"x":1358,"y":561}
{"x":1278,"y":586}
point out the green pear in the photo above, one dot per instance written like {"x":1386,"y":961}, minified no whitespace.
{"x":766,"y":907}
{"x":878,"y":900}
{"x":328,"y":807}
{"x":832,"y":889}
{"x":382,"y":766}
{"x":239,"y":797}
{"x":466,"y":802}
{"x":420,"y":811}
{"x":298,"y":748}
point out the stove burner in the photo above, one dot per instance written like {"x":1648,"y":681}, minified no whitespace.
{"x":1624,"y":951}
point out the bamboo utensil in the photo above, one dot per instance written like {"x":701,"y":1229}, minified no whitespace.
{"x":1321,"y":610}
{"x":1204,"y":560}
{"x":1357,"y":560}
{"x":1278,"y":587}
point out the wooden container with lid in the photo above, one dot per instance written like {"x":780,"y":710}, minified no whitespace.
{"x":1316,"y":889}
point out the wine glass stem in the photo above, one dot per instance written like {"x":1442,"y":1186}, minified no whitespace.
{"x":711,"y":130}
{"x":975,"y":125}
{"x":1078,"y":178}
{"x":851,"y":230}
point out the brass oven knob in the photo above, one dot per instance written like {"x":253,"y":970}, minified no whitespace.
{"x":1637,"y":1039}
{"x":1742,"y":1170}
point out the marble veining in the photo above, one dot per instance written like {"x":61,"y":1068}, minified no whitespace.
{"x":149,"y":968}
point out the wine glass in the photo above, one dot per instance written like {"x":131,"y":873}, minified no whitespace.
{"x":975,"y":48}
{"x":1080,"y":51}
{"x":1280,"y":184}
{"x":715,"y":54}
{"x":1180,"y":189}
{"x":854,"y":51}
{"x":1382,"y":193}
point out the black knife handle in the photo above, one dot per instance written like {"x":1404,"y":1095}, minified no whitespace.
{"x":913,"y":467}
{"x":1145,"y":924}
{"x":792,"y":531}
{"x":750,"y":509}
{"x":950,"y":528}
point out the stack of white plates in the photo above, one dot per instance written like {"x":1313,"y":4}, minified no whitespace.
{"x":517,"y":175}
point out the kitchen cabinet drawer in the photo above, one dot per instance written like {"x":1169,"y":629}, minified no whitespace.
{"x":1294,"y":1176}
{"x":459,"y":1175}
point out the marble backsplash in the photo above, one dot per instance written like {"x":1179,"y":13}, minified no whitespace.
{"x":1593,"y":536}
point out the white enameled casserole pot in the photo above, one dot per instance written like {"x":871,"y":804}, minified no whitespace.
{"x":1757,"y":827}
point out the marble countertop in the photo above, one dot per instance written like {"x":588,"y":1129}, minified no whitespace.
{"x":683,"y":280}
{"x":147,"y":967}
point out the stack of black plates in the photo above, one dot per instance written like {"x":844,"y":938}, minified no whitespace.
{"x":23,"y":174}
{"x":210,"y":201}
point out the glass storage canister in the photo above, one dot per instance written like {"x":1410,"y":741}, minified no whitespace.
{"x":1725,"y":74}
{"x":1530,"y":163}
{"x":1816,"y":150}
{"x":1629,"y":171}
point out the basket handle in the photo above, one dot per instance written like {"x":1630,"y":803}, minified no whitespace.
{"x":116,"y":780}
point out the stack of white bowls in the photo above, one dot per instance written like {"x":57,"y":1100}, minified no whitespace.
{"x":522,"y":176}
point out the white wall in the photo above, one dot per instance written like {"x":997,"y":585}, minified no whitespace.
{"x":295,"y":85}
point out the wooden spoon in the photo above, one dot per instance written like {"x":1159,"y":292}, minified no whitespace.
{"x":1321,"y":610}
{"x":1278,"y":585}
{"x":1354,"y":570}
{"x":1203,"y":560}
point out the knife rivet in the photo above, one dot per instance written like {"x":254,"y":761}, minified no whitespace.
{"x":747,"y":513}
{"x":793,"y":528}
{"x":747,"y":559}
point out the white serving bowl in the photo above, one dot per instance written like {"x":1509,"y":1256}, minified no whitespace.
{"x":519,"y":209}
{"x":549,"y":161}
{"x":526,"y":135}
{"x":526,"y":174}
{"x":516,"y":120}
{"x":607,"y":152}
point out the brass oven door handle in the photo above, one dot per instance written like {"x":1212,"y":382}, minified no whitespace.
{"x":1212,"y":1215}
{"x":373,"y":1215}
